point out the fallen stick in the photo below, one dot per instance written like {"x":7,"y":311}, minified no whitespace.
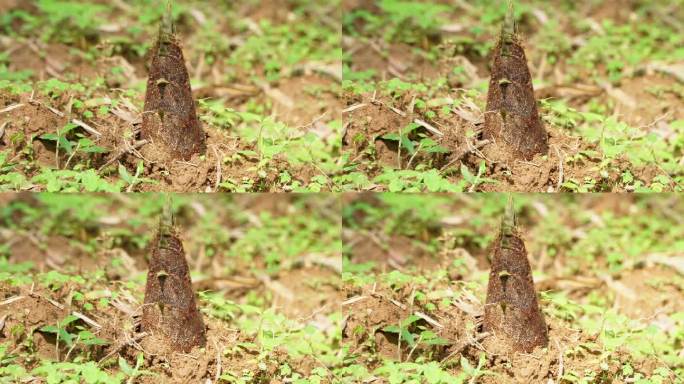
{"x":122,"y":345}
{"x":429,"y":319}
{"x":86,"y":319}
{"x":87,"y":127}
{"x":354,"y":300}
{"x":135,"y":146}
{"x":467,"y":343}
{"x":354,"y":107}
{"x":11,"y":300}
{"x":11,"y":108}
{"x":429,"y":127}
{"x":471,"y":148}
{"x":51,"y":109}
{"x":561,"y":171}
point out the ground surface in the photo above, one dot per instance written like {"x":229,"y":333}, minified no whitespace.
{"x":266,"y":270}
{"x":609,"y":270}
{"x":266,"y":77}
{"x":609,"y":77}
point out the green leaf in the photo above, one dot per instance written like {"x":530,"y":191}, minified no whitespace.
{"x":408,"y":144}
{"x":391,"y":136}
{"x":466,"y":173}
{"x":408,"y":337}
{"x":433,"y":180}
{"x":123,"y":173}
{"x":49,"y":136}
{"x":125,"y":367}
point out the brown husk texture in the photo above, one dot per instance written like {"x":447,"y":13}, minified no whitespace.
{"x":512,"y":312}
{"x":512,"y":118}
{"x":170,"y":117}
{"x":170,"y":308}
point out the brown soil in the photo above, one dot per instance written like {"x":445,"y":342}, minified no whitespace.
{"x":650,"y":293}
{"x":370,"y":311}
{"x":313,"y":98}
{"x":647,"y":292}
{"x":308,"y":292}
{"x":26,"y":316}
{"x":366,"y":126}
{"x":395,"y":60}
{"x":374,"y":308}
{"x":659,"y":99}
{"x":199,"y":174}
{"x":121,"y":330}
{"x":393,"y":252}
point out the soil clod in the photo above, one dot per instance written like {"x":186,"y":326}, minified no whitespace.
{"x":512,"y":310}
{"x":170,"y":118}
{"x":512,"y":118}
{"x":170,"y":308}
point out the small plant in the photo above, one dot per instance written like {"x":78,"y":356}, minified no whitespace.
{"x":135,"y":179}
{"x":411,"y":334}
{"x":414,"y":143}
{"x":134,"y":372}
{"x":78,"y":143}
{"x":68,"y":21}
{"x":404,"y":21}
{"x":70,"y":335}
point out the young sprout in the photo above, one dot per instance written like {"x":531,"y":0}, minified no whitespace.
{"x":170,"y":309}
{"x":512,"y":311}
{"x":512,"y":119}
{"x":170,"y":119}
